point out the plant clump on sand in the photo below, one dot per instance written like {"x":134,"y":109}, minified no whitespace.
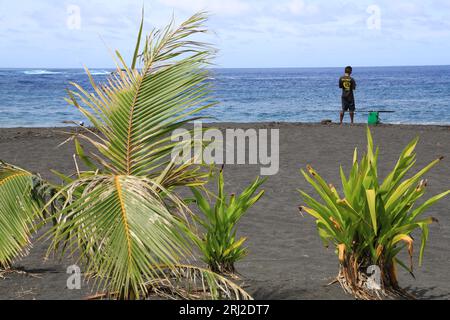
{"x":373,"y":221}
{"x":122,"y":215}
{"x":219,"y":244}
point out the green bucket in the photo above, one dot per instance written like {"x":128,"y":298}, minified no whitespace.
{"x":374,"y":118}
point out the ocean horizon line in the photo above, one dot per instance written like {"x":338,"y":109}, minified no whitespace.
{"x":238,"y":68}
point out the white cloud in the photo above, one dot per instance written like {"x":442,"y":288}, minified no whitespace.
{"x":296,"y":6}
{"x":299,"y":8}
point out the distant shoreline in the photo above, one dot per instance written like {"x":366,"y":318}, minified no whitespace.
{"x":251,"y":125}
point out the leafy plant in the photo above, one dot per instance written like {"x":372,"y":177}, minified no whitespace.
{"x":18,"y":212}
{"x":219,"y":245}
{"x":122,"y":215}
{"x":374,"y":221}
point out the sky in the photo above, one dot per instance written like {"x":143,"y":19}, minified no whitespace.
{"x":248,"y":33}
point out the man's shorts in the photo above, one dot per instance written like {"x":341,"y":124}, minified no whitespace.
{"x":348,"y":105}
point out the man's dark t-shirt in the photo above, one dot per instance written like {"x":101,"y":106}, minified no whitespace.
{"x":348,"y":85}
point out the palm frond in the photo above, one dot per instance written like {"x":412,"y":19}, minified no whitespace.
{"x":122,"y":230}
{"x":194,"y":283}
{"x":138,"y":109}
{"x":18,"y":212}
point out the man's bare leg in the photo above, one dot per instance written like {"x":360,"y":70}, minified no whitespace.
{"x":352,"y":117}
{"x":342,"y":117}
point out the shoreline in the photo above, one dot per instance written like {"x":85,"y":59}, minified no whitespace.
{"x":264,"y":123}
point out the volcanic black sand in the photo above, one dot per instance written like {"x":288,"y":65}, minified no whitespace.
{"x":287,"y":259}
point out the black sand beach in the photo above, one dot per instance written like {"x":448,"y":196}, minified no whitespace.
{"x":287,"y":259}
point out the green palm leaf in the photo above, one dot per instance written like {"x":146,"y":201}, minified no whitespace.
{"x":17,"y":213}
{"x":139,"y":108}
{"x":122,"y":230}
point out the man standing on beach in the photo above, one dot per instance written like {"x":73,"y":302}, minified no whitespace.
{"x":348,"y":85}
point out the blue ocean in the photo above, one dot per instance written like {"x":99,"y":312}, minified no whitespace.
{"x":418,"y":95}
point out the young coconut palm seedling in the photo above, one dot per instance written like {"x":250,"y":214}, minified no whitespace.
{"x":122,"y":216}
{"x":219,"y":245}
{"x":372,"y":222}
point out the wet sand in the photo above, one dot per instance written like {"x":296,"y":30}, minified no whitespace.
{"x":287,"y":259}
